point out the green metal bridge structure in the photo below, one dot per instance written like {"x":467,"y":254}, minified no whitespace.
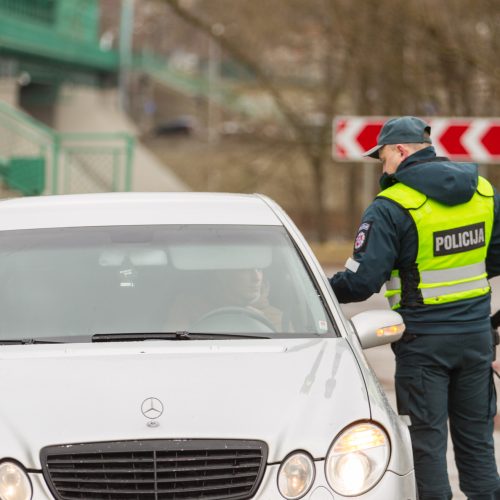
{"x":44,"y":44}
{"x":47,"y":43}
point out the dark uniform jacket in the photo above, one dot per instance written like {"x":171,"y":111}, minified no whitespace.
{"x":387,"y":240}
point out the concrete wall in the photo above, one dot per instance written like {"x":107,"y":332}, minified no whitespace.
{"x":85,"y":109}
{"x":9,"y":91}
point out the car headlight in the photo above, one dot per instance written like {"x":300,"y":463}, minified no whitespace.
{"x":296,"y":475}
{"x":357,"y":459}
{"x":14,"y":482}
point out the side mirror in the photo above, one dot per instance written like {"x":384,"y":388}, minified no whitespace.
{"x":376,"y":328}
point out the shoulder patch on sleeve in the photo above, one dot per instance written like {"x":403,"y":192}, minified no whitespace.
{"x":361,"y":239}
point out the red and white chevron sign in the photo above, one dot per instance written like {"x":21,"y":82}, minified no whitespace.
{"x":474,"y":139}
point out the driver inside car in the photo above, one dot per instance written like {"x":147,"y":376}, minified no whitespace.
{"x":236,"y":288}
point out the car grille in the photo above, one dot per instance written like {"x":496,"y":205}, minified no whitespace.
{"x":156,"y":469}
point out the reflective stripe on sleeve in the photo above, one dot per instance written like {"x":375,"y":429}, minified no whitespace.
{"x":394,"y":283}
{"x":352,"y":265}
{"x":394,"y":299}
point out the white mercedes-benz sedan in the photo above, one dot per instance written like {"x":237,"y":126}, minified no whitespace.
{"x":184,"y":346}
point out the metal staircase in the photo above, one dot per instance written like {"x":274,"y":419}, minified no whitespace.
{"x":34,"y":159}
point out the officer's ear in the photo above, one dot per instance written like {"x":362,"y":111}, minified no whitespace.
{"x":403,"y":151}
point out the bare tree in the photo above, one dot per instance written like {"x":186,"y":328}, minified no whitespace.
{"x":325,"y":57}
{"x":301,"y":34}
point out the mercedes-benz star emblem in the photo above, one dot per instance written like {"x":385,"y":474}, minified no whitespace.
{"x":152,"y":408}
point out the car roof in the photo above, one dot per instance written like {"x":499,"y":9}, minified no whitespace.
{"x":110,"y":209}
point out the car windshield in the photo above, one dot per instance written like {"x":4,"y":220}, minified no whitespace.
{"x":74,"y":282}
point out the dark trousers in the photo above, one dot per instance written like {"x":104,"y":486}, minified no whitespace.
{"x":449,"y":377}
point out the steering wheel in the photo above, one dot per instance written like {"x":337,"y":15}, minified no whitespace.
{"x":233,"y":319}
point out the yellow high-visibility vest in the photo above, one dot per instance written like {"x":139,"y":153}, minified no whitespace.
{"x":452,"y":245}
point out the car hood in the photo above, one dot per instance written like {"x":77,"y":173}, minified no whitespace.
{"x":292,"y":394}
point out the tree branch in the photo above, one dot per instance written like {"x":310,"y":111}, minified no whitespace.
{"x":296,"y":124}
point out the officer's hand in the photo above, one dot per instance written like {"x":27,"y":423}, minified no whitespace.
{"x":496,"y":368}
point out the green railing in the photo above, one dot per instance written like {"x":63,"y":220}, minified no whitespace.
{"x":34,"y":159}
{"x":159,"y":69}
{"x":89,"y":163}
{"x":37,"y":10}
{"x":223,"y":92}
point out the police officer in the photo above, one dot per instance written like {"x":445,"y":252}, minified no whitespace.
{"x":433,"y":235}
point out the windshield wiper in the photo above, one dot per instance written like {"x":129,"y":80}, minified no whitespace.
{"x":181,"y":335}
{"x":29,"y":341}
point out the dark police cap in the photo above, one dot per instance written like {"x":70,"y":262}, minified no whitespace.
{"x":402,"y":130}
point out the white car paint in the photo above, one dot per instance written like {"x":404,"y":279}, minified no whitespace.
{"x":292,"y":393}
{"x":208,"y":389}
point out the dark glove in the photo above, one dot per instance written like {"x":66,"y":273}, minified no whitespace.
{"x":495,"y":320}
{"x":495,"y":337}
